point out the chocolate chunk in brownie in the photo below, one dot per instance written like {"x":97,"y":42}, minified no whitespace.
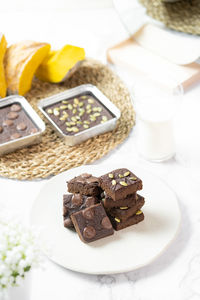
{"x":85,"y":184}
{"x":129,"y":201}
{"x":119,"y":224}
{"x":92,"y":223}
{"x":124,"y":212}
{"x":73,"y":203}
{"x":120,"y":183}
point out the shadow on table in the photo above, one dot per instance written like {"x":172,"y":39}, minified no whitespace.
{"x":168,"y":256}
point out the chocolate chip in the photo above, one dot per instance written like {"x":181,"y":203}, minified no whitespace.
{"x":88,"y":213}
{"x":33,"y":130}
{"x":15,"y":107}
{"x":77,"y":200}
{"x":12,"y":115}
{"x":1,"y":129}
{"x":21,"y":126}
{"x":90,"y":201}
{"x":68,"y":222}
{"x":89,"y":232}
{"x":15,"y":136}
{"x":7,"y":123}
{"x":106,"y":223}
{"x":92,"y":180}
{"x":85,"y":175}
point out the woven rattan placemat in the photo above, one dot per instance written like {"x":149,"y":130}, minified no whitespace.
{"x":52,"y":156}
{"x":182,"y":16}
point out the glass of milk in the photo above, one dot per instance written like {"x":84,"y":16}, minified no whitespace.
{"x":155,"y":107}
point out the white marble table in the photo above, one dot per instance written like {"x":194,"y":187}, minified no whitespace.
{"x":176,"y":273}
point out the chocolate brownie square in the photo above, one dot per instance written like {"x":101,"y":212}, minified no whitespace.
{"x":119,"y":224}
{"x":92,"y":223}
{"x":120,"y":183}
{"x":85,"y":184}
{"x":129,"y":201}
{"x":73,"y":203}
{"x":124,"y":212}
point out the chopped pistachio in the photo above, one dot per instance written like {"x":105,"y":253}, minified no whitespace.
{"x":81,"y":113}
{"x":65,"y":113}
{"x":114,"y":182}
{"x":80,"y":104}
{"x":69,"y":129}
{"x":50,"y":111}
{"x":90,"y":100}
{"x":92,"y":118}
{"x":74,"y":111}
{"x":139,"y":212}
{"x":72,"y":123}
{"x":56,"y":112}
{"x":123,"y":207}
{"x":110,"y":175}
{"x":70,"y":106}
{"x":123,"y":183}
{"x":75,"y":105}
{"x":89,"y":111}
{"x":97,"y":114}
{"x":63,"y":118}
{"x":64,"y":102}
{"x":77,"y":117}
{"x":104,"y":118}
{"x":126,"y":173}
{"x":95,"y":108}
{"x":88,"y":106}
{"x":83,"y":97}
{"x":117,"y":220}
{"x":68,"y":123}
{"x":99,"y":109}
{"x":76,"y":101}
{"x":120,"y":176}
{"x":79,"y":122}
{"x":63,"y":106}
{"x":86,"y":122}
{"x":75,"y":129}
{"x":133,"y":178}
{"x":73,"y":119}
{"x":86,"y":126}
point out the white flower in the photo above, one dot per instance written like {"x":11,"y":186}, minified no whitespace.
{"x":4,"y":280}
{"x":19,"y":280}
{"x":19,"y":252}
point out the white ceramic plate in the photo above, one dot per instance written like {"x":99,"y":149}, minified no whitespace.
{"x":126,"y":250}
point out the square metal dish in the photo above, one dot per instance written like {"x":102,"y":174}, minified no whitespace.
{"x":28,"y":140}
{"x":84,"y":89}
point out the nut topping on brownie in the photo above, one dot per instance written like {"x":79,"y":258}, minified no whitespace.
{"x":120,"y":183}
{"x":124,"y":212}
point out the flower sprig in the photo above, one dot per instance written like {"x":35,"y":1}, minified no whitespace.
{"x":19,"y":252}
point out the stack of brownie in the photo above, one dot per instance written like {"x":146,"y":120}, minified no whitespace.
{"x":121,"y":201}
{"x":82,"y":209}
{"x":97,"y":205}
